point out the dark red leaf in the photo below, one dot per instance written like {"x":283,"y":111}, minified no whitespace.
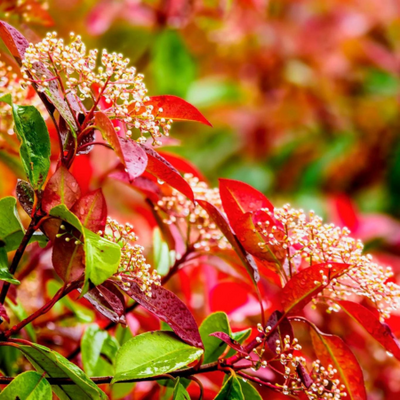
{"x":284,"y":329}
{"x":332,"y":350}
{"x":25,"y":195}
{"x":173,"y":108}
{"x":239,"y":197}
{"x":14,"y":40}
{"x":235,"y":345}
{"x":162,"y":169}
{"x":301,"y":289}
{"x":304,"y":376}
{"x":91,"y":210}
{"x":134,"y":157}
{"x":3,"y":313}
{"x":62,"y":188}
{"x":379,"y":331}
{"x":145,"y":185}
{"x":109,"y":301}
{"x":225,"y":228}
{"x":169,"y":308}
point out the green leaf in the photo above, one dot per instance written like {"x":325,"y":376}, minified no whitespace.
{"x":27,"y":386}
{"x":101,"y":255}
{"x":180,"y":393}
{"x":161,"y":253}
{"x":4,"y":273}
{"x":217,"y":322}
{"x":151,"y":354}
{"x":11,"y":229}
{"x":173,"y":67}
{"x":231,"y":390}
{"x":21,"y":314}
{"x":240,"y":337}
{"x":98,"y":351}
{"x":35,"y":141}
{"x":56,"y":366}
{"x":249,"y":391}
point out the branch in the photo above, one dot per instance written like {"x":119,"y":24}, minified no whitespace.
{"x":67,"y":288}
{"x":18,"y":255}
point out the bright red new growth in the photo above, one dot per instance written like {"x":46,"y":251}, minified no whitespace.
{"x":174,"y":108}
{"x":380,"y":331}
{"x":3,"y":313}
{"x":306,"y":284}
{"x":166,"y":172}
{"x":331,"y":350}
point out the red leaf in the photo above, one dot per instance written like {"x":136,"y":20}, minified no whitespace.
{"x":239,"y":197}
{"x":332,"y":350}
{"x":128,"y":151}
{"x":62,"y":188}
{"x":235,"y":345}
{"x":301,"y":289}
{"x":145,"y":185}
{"x":174,"y":108}
{"x":14,"y":40}
{"x":109,"y":301}
{"x":3,"y":313}
{"x":91,"y":210}
{"x":133,"y":157}
{"x":223,"y":225}
{"x":380,"y":331}
{"x":284,"y":329}
{"x":169,"y":308}
{"x":162,"y":169}
{"x":182,"y":165}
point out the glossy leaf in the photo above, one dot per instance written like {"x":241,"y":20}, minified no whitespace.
{"x":151,"y":354}
{"x":29,"y":385}
{"x":284,"y":329}
{"x":128,"y":151}
{"x":109,"y":301}
{"x":249,"y":391}
{"x":379,"y":331}
{"x":214,"y":347}
{"x":101,"y":256}
{"x":11,"y":229}
{"x":176,"y":109}
{"x":180,"y":393}
{"x":62,"y":188}
{"x":225,"y":228}
{"x":304,"y":376}
{"x":231,"y":390}
{"x":240,"y":337}
{"x":14,"y":40}
{"x":5,"y":275}
{"x":232,"y":343}
{"x":166,"y":172}
{"x":34,"y":150}
{"x":239,"y":197}
{"x":98,"y":351}
{"x":25,"y":196}
{"x":301,"y":289}
{"x":332,"y":350}
{"x":182,"y":165}
{"x":169,"y":308}
{"x":56,"y":366}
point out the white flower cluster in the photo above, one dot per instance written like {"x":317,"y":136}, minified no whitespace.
{"x":122,"y":89}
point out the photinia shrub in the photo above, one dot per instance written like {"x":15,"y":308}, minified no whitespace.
{"x":291,"y":270}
